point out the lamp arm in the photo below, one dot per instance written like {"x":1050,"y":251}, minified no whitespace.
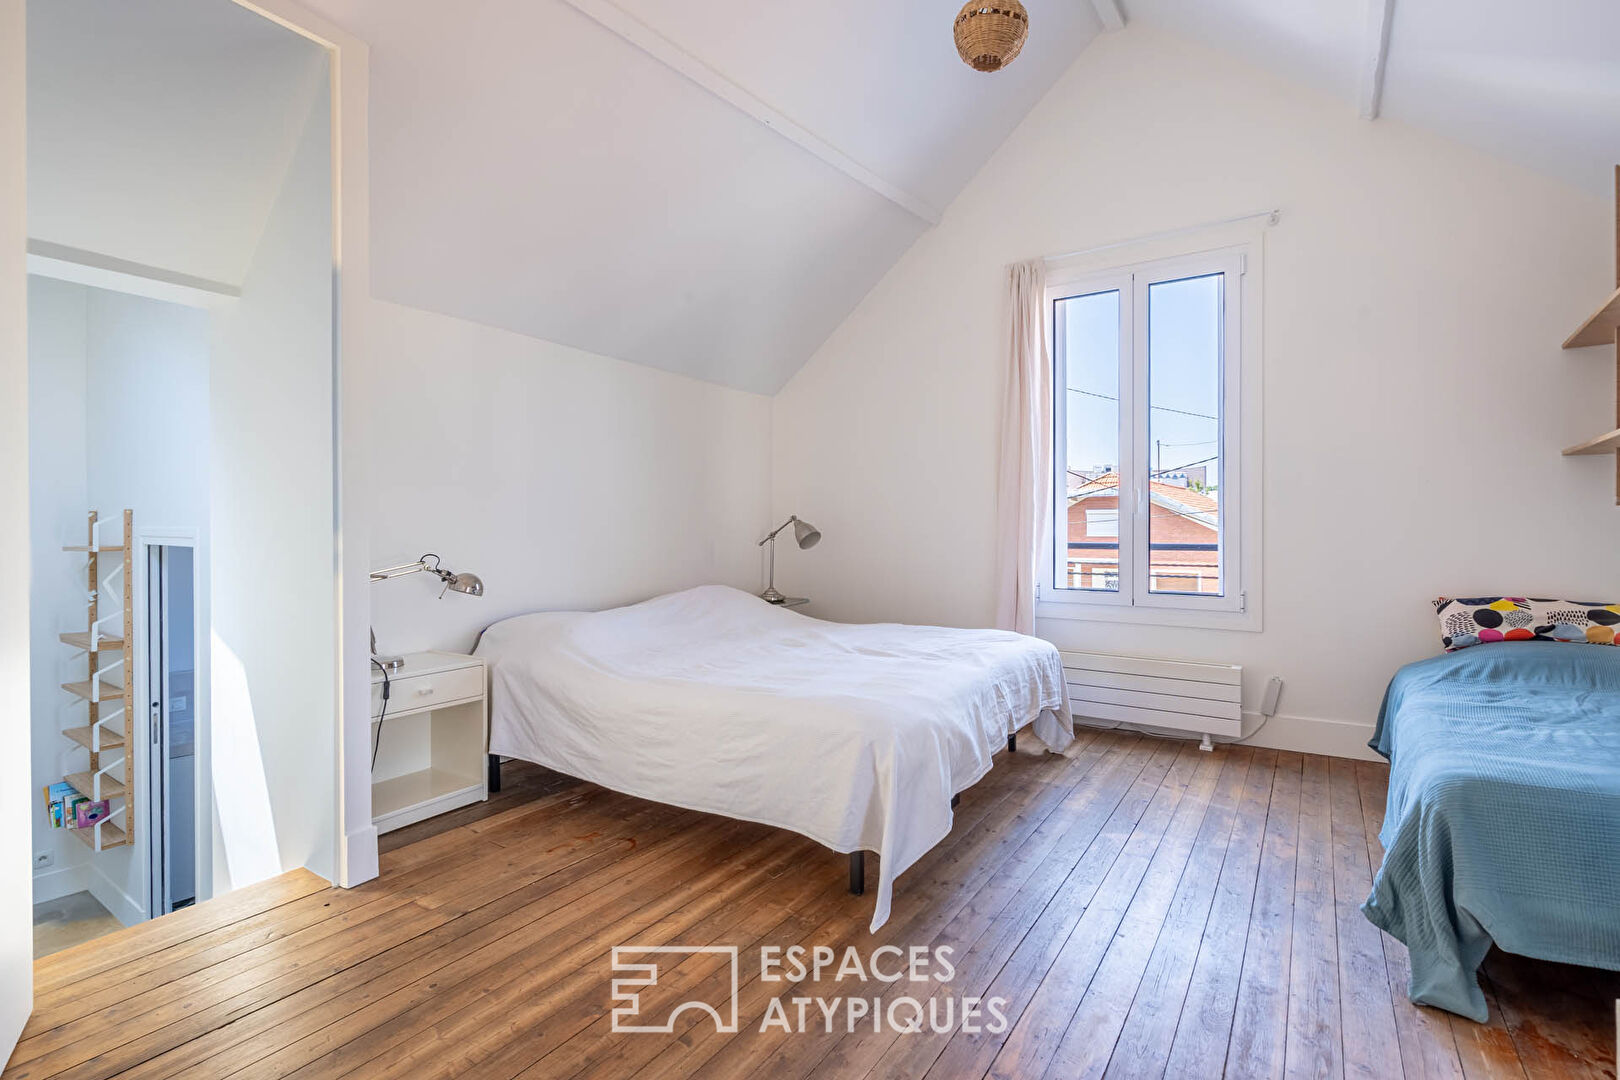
{"x":772,"y":535}
{"x":399,"y":571}
{"x":419,"y":566}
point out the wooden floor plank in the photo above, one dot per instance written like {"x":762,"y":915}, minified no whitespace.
{"x":1145,"y":910}
{"x":1204,"y":1025}
{"x":1260,"y":1015}
{"x":1040,"y":1026}
{"x":1091,"y":1034}
{"x":971,"y":1053}
{"x":1370,"y":1047}
{"x":1149,"y":1027}
{"x":940,"y":890}
{"x":284,"y":1027}
{"x":1581,"y":1045}
{"x":985,"y":933}
{"x":1428,"y":1050}
{"x":982,"y":862}
{"x":1313,"y":1044}
{"x":95,"y":957}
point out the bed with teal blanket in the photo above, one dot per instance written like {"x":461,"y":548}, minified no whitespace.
{"x":1503,"y":820}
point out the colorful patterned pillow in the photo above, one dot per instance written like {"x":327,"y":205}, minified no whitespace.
{"x":1476,"y":620}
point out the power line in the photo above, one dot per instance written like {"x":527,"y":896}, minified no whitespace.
{"x":1161,"y":408}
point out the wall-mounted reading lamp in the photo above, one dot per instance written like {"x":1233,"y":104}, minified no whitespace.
{"x":470,"y":584}
{"x":805,"y":533}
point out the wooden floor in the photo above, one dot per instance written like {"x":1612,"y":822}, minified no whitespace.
{"x":1145,"y":910}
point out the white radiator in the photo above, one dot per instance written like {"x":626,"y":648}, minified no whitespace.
{"x":1203,"y":698}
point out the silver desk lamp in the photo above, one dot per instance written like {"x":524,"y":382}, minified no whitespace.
{"x":805,"y":534}
{"x":470,"y":584}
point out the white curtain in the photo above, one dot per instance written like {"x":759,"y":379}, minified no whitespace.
{"x":1022,"y":495}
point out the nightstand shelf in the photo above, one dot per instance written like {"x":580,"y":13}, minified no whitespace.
{"x":433,"y":744}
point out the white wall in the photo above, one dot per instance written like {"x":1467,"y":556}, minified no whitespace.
{"x":146,"y":429}
{"x":147,"y":409}
{"x":564,"y":479}
{"x":273,"y":667}
{"x":118,"y":398}
{"x":58,"y":316}
{"x":16,"y":783}
{"x":152,"y":138}
{"x":1415,"y":396}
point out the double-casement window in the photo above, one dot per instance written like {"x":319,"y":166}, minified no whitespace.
{"x":1148,"y":475}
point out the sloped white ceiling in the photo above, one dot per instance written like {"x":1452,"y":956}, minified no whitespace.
{"x":159,"y":131}
{"x":1538,"y":83}
{"x":534,"y":171}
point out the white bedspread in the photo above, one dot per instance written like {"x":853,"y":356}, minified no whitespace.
{"x":711,"y":699}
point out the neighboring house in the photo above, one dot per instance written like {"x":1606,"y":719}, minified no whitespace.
{"x":1183,"y":545}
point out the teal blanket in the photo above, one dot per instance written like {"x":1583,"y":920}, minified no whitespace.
{"x":1503,"y":820}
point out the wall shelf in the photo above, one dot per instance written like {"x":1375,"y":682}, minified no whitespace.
{"x":111,"y":835}
{"x":1603,"y":328}
{"x":81,"y":640}
{"x":1600,"y":328}
{"x":109,"y":691}
{"x":84,"y":784}
{"x":110,"y":740}
{"x":114,"y":590}
{"x":1603,"y":444}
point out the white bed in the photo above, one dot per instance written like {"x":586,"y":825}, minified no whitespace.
{"x":711,"y":699}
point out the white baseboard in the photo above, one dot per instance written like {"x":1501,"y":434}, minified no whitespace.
{"x":360,"y":860}
{"x":59,"y":882}
{"x":1310,"y":735}
{"x":124,"y":907}
{"x":1303,"y":734}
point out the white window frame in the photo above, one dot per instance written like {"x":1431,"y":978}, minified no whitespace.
{"x":1238,"y":606}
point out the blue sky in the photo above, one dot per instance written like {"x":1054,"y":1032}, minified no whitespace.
{"x":1184,"y":331}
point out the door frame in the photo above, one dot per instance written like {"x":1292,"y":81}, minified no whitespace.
{"x":350,"y":59}
{"x":16,"y":783}
{"x":356,"y":838}
{"x":203,"y":795}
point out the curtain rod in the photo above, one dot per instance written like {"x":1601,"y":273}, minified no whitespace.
{"x":1271,"y":216}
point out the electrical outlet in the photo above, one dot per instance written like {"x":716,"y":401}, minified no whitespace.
{"x":43,"y":860}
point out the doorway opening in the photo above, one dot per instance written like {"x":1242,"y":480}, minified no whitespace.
{"x":181,"y":382}
{"x":178,"y":800}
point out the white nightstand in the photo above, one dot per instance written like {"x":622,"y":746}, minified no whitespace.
{"x":434,"y":738}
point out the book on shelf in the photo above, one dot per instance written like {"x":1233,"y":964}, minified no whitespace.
{"x":62,"y":801}
{"x":87,"y":813}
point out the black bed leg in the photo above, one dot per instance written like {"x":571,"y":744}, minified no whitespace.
{"x":494,"y":773}
{"x":857,"y":873}
{"x":955,"y":799}
{"x":1012,"y":743}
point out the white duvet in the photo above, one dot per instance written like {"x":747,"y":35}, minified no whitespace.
{"x":711,"y":699}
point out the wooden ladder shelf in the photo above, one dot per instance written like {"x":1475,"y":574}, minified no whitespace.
{"x":109,"y":729}
{"x":1603,"y":328}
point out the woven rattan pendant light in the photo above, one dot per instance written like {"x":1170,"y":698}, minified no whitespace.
{"x":989,"y":33}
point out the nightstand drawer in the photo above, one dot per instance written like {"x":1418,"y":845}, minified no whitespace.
{"x":412,"y":692}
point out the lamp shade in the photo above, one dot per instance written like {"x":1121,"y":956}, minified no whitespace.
{"x":471,"y":584}
{"x":806,"y":534}
{"x":990,"y":33}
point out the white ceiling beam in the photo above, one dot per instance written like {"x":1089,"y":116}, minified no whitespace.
{"x":1109,"y":11}
{"x":65,"y":263}
{"x":1375,"y":56}
{"x":662,"y":49}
